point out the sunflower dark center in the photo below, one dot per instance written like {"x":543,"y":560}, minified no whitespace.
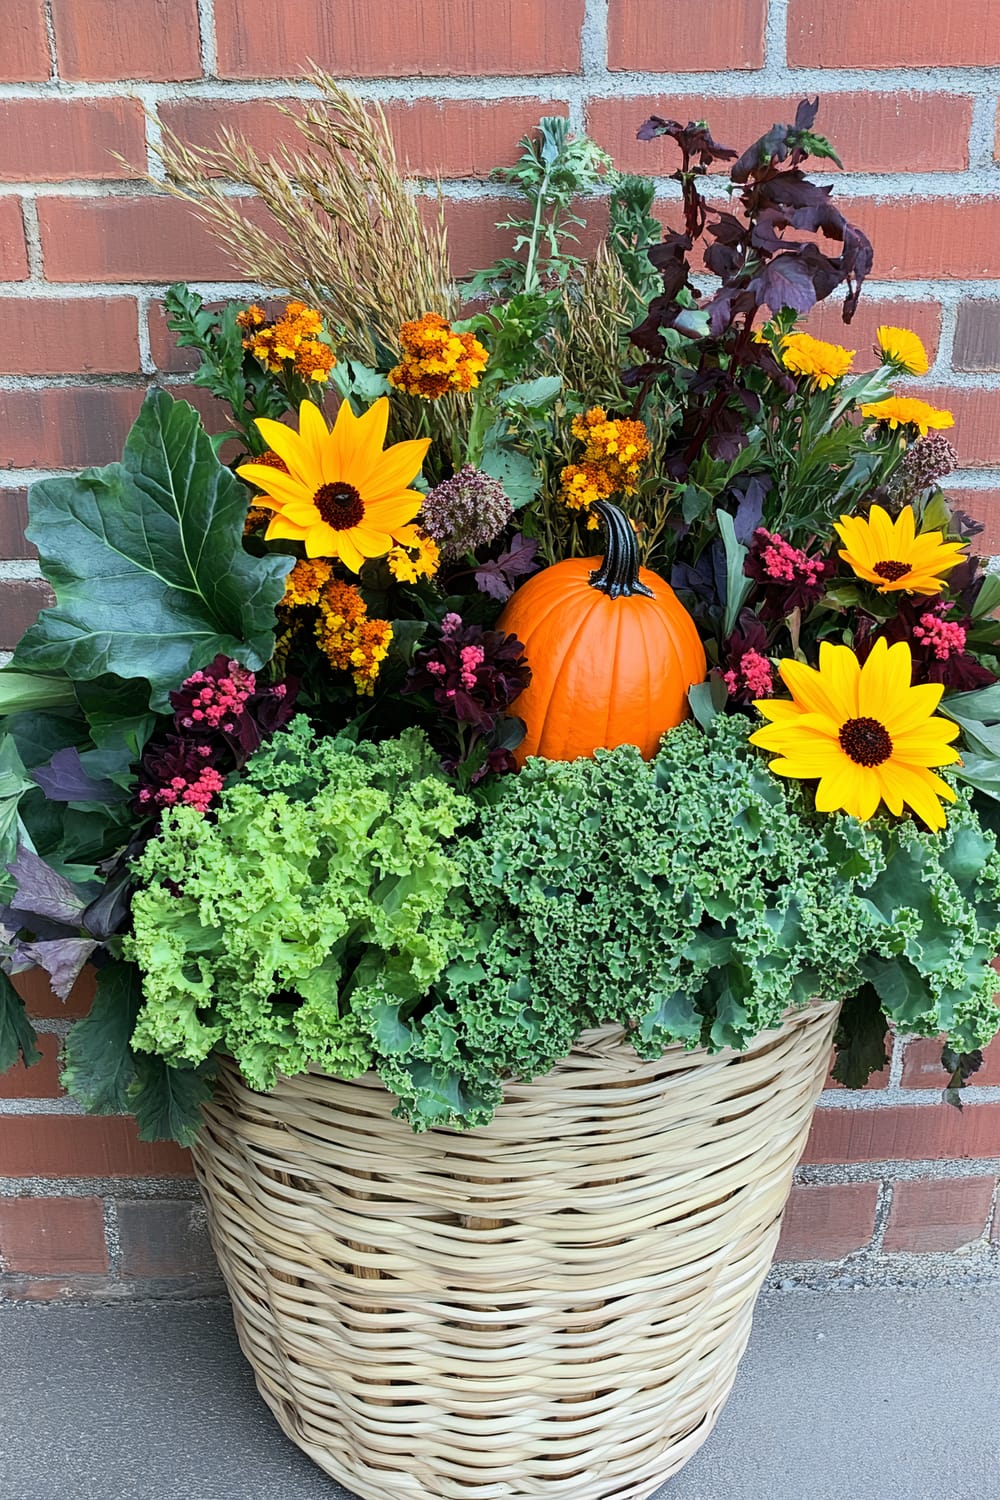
{"x":866,"y":741}
{"x":340,"y":505}
{"x":891,"y":569}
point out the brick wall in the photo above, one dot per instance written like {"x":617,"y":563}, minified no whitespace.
{"x":86,"y":251}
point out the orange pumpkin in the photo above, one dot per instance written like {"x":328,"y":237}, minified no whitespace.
{"x":611,"y":648}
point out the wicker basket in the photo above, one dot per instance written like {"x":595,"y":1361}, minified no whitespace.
{"x":553,"y":1306}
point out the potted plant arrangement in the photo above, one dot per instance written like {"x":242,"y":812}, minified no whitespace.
{"x":489,"y":767}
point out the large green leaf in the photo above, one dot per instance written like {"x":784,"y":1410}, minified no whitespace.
{"x":17,"y":1035}
{"x":22,"y":691}
{"x":167,"y":1100}
{"x":148,"y":564}
{"x":99,"y":1063}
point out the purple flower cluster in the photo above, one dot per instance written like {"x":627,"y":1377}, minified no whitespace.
{"x":220,"y":718}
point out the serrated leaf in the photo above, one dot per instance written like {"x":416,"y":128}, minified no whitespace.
{"x":99,"y":1063}
{"x":167,"y":1101}
{"x":515,"y":470}
{"x":17,"y":1035}
{"x":147,"y":561}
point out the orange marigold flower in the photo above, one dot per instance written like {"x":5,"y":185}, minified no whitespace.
{"x":306,"y":581}
{"x":349,"y":640}
{"x":582,"y":484}
{"x":292,"y":338}
{"x":271,"y":459}
{"x":619,"y":445}
{"x":251,"y":317}
{"x":436,"y":359}
{"x":256,"y":518}
{"x":314,"y":361}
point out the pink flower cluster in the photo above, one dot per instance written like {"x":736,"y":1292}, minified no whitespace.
{"x":197,"y":793}
{"x":784,"y":563}
{"x":753,"y":677}
{"x":946,"y":638}
{"x":213,"y":700}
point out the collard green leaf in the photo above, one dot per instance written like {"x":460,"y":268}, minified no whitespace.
{"x":515,"y":470}
{"x":147,"y":561}
{"x":14,"y":784}
{"x":21,"y":691}
{"x":99,"y":1064}
{"x":17,"y":1035}
{"x":167,"y":1100}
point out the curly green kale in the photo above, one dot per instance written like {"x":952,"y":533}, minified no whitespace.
{"x":693,"y":899}
{"x":317,"y":894}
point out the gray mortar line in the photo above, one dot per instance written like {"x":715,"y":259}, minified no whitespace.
{"x":112,"y":1237}
{"x":126,"y":1188}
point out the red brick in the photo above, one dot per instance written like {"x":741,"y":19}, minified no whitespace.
{"x":20,"y":601}
{"x":46,"y":140}
{"x":129,"y":239}
{"x":13,"y":520}
{"x":164,"y":1237}
{"x":936,"y":1216}
{"x":163,"y":345}
{"x":984,"y":506}
{"x":474,"y":240}
{"x":69,"y":336}
{"x":105,"y":40}
{"x":905,"y":1132}
{"x":825,"y":322}
{"x":944,"y":238}
{"x":976,"y":434}
{"x":52,"y":1235}
{"x":922,"y":1065}
{"x":446,"y":137}
{"x":825,"y":1221}
{"x":897,"y":132}
{"x":694,"y":38}
{"x":977,"y":336}
{"x":13,"y":251}
{"x":378,"y":39}
{"x":66,"y":427}
{"x":24,"y":56}
{"x":40,"y":1002}
{"x":86,"y":1146}
{"x":919,"y":34}
{"x":41,"y":1081}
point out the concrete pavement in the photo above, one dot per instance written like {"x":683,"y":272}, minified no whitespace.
{"x":870,"y":1394}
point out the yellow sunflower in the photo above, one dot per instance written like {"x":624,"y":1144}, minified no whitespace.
{"x":907,"y":411}
{"x":863,"y":732}
{"x":890,"y":554}
{"x":343,"y":496}
{"x":902,"y":348}
{"x":820,"y":362}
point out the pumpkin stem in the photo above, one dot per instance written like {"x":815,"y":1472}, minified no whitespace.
{"x":618,"y":575}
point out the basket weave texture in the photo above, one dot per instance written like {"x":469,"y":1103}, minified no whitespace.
{"x":554,"y":1305}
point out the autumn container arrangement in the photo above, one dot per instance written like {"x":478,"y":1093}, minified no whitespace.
{"x":489,"y":764}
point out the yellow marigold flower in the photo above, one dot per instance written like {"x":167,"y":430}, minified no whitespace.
{"x":890,"y":554}
{"x":306,"y":582}
{"x":343,"y":496}
{"x":436,"y":359}
{"x":417,"y":557}
{"x":818,"y":361}
{"x":580,"y":485}
{"x":351,"y":641}
{"x":863,"y":732}
{"x":906,"y":411}
{"x":901,"y":347}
